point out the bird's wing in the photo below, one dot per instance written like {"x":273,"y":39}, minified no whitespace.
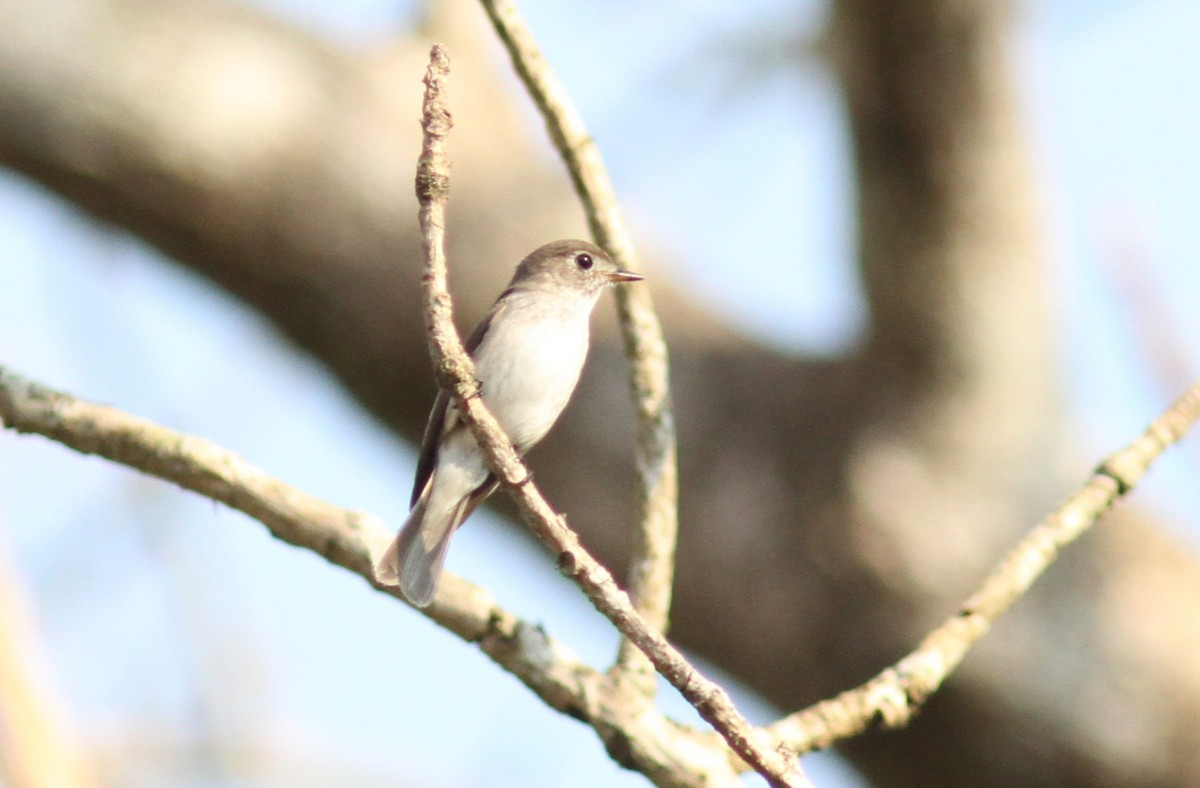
{"x":443,"y":419}
{"x":429,"y":446}
{"x":476,"y":338}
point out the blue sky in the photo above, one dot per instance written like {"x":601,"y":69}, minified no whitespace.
{"x":131,"y":581}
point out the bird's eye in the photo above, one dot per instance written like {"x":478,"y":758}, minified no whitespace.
{"x":584,"y":260}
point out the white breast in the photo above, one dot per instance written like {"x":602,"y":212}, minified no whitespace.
{"x":529,"y":362}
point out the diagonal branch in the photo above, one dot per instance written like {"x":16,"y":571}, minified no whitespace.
{"x":340,"y":536}
{"x":668,"y":753}
{"x":456,"y":375}
{"x":652,"y":563}
{"x":896,"y":694}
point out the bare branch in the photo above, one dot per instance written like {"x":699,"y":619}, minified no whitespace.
{"x":897,"y":693}
{"x":340,"y":536}
{"x":651,"y":571}
{"x":669,"y":754}
{"x":456,"y":374}
{"x":433,"y":187}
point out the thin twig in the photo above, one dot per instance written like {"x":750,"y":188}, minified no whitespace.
{"x":433,"y":188}
{"x":455,"y":372}
{"x":896,"y":694}
{"x":652,"y":565}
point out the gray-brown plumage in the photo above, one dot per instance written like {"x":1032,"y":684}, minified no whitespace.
{"x":528,"y":353}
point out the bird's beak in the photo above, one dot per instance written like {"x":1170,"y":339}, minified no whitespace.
{"x":624,"y":276}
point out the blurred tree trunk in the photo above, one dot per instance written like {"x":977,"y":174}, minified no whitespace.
{"x":832,"y":511}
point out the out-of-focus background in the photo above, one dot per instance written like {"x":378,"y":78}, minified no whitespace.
{"x":200,"y":199}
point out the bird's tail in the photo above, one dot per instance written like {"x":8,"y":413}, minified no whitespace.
{"x":415,"y":557}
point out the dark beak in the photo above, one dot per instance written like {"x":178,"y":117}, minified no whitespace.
{"x":624,"y":276}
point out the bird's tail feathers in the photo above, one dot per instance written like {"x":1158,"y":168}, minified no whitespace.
{"x":415,"y":557}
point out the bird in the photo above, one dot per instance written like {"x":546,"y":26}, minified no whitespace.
{"x":528,"y":351}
